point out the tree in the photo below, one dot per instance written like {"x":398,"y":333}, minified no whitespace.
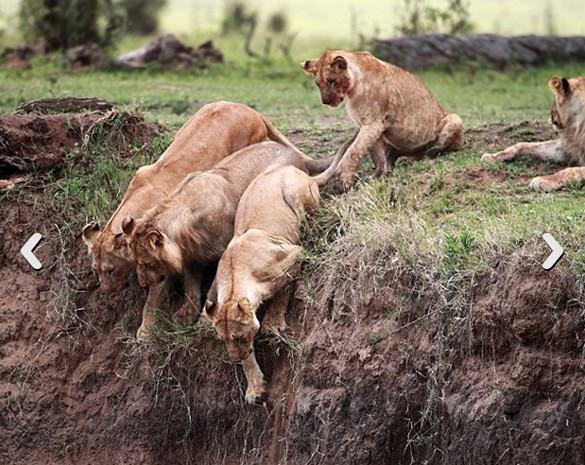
{"x":66,"y":23}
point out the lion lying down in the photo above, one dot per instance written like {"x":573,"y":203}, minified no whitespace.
{"x":214,"y":132}
{"x":568,"y":115}
{"x":194,"y":225}
{"x":257,"y":263}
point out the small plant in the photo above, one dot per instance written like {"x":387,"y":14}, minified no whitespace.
{"x":457,"y":252}
{"x":421,"y":18}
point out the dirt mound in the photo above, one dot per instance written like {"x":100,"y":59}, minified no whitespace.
{"x":41,"y":142}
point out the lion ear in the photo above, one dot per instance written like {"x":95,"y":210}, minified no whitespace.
{"x":339,"y":64}
{"x":90,"y":232}
{"x":560,"y":85}
{"x":154,"y":239}
{"x":128,"y":225}
{"x":245,"y":307}
{"x":310,"y":67}
{"x":209,"y":310}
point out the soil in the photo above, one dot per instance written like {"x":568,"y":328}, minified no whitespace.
{"x":378,"y":377}
{"x":40,"y":142}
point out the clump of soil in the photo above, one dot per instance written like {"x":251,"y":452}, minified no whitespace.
{"x":33,"y":140}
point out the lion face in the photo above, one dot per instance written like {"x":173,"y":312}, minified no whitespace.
{"x":331,"y":76}
{"x":236,"y":325}
{"x":156,"y":257}
{"x":108,"y":252}
{"x":561,"y":89}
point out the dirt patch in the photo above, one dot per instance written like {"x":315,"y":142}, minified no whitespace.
{"x":41,"y":142}
{"x":498,"y":136}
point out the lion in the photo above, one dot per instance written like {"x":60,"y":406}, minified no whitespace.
{"x":214,"y":132}
{"x":257,"y":264}
{"x":396,"y":114}
{"x":568,"y":116}
{"x":192,"y":227}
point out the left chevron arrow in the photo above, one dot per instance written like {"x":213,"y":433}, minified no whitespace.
{"x":27,"y":251}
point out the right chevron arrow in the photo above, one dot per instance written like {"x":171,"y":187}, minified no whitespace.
{"x":556,"y":254}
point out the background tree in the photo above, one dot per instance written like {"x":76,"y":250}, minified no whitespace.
{"x":66,"y":23}
{"x":141,"y":16}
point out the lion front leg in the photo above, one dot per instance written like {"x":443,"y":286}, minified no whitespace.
{"x":561,"y":179}
{"x":275,"y":317}
{"x":256,"y":389}
{"x":189,"y":311}
{"x":551,"y":151}
{"x":363,"y":143}
{"x":154,"y":301}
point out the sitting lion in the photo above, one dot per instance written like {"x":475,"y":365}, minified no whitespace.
{"x":396,"y":113}
{"x":193,"y":226}
{"x":568,"y":115}
{"x":256,"y":264}
{"x":214,"y":132}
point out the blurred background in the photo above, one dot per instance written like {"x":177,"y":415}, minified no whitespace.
{"x":339,"y":22}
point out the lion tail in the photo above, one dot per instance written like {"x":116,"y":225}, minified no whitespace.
{"x":313,"y":166}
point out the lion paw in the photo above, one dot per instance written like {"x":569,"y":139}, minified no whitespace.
{"x":488,"y":157}
{"x":186,"y":315}
{"x":256,"y":394}
{"x":543,"y":184}
{"x":144,"y":333}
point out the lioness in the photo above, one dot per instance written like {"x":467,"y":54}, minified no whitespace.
{"x":568,"y":115}
{"x":256,"y":263}
{"x":214,"y":132}
{"x":193,"y":226}
{"x":396,"y":114}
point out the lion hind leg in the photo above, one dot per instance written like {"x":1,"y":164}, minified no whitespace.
{"x":256,"y":390}
{"x":560,"y":179}
{"x":551,"y":151}
{"x":450,"y":137}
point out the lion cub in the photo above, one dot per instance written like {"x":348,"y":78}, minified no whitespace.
{"x":568,"y":115}
{"x":257,"y":263}
{"x":194,"y":225}
{"x":396,"y":114}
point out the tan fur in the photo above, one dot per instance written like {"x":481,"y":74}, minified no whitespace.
{"x":214,"y":132}
{"x":257,"y":263}
{"x":194,"y":225}
{"x":397,"y":115}
{"x":568,"y":115}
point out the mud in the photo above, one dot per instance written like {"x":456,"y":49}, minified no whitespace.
{"x":378,"y":373}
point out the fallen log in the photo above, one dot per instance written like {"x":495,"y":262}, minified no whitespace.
{"x":168,"y":50}
{"x":427,"y":51}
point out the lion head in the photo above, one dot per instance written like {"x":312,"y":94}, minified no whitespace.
{"x":332,"y":77}
{"x":568,"y":108}
{"x":110,"y":256}
{"x":236,"y":324}
{"x":155,"y":255}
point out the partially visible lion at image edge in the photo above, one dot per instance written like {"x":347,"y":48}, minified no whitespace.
{"x":568,"y":116}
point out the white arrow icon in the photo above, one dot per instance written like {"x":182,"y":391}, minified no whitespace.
{"x":556,"y":254}
{"x":27,"y":249}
